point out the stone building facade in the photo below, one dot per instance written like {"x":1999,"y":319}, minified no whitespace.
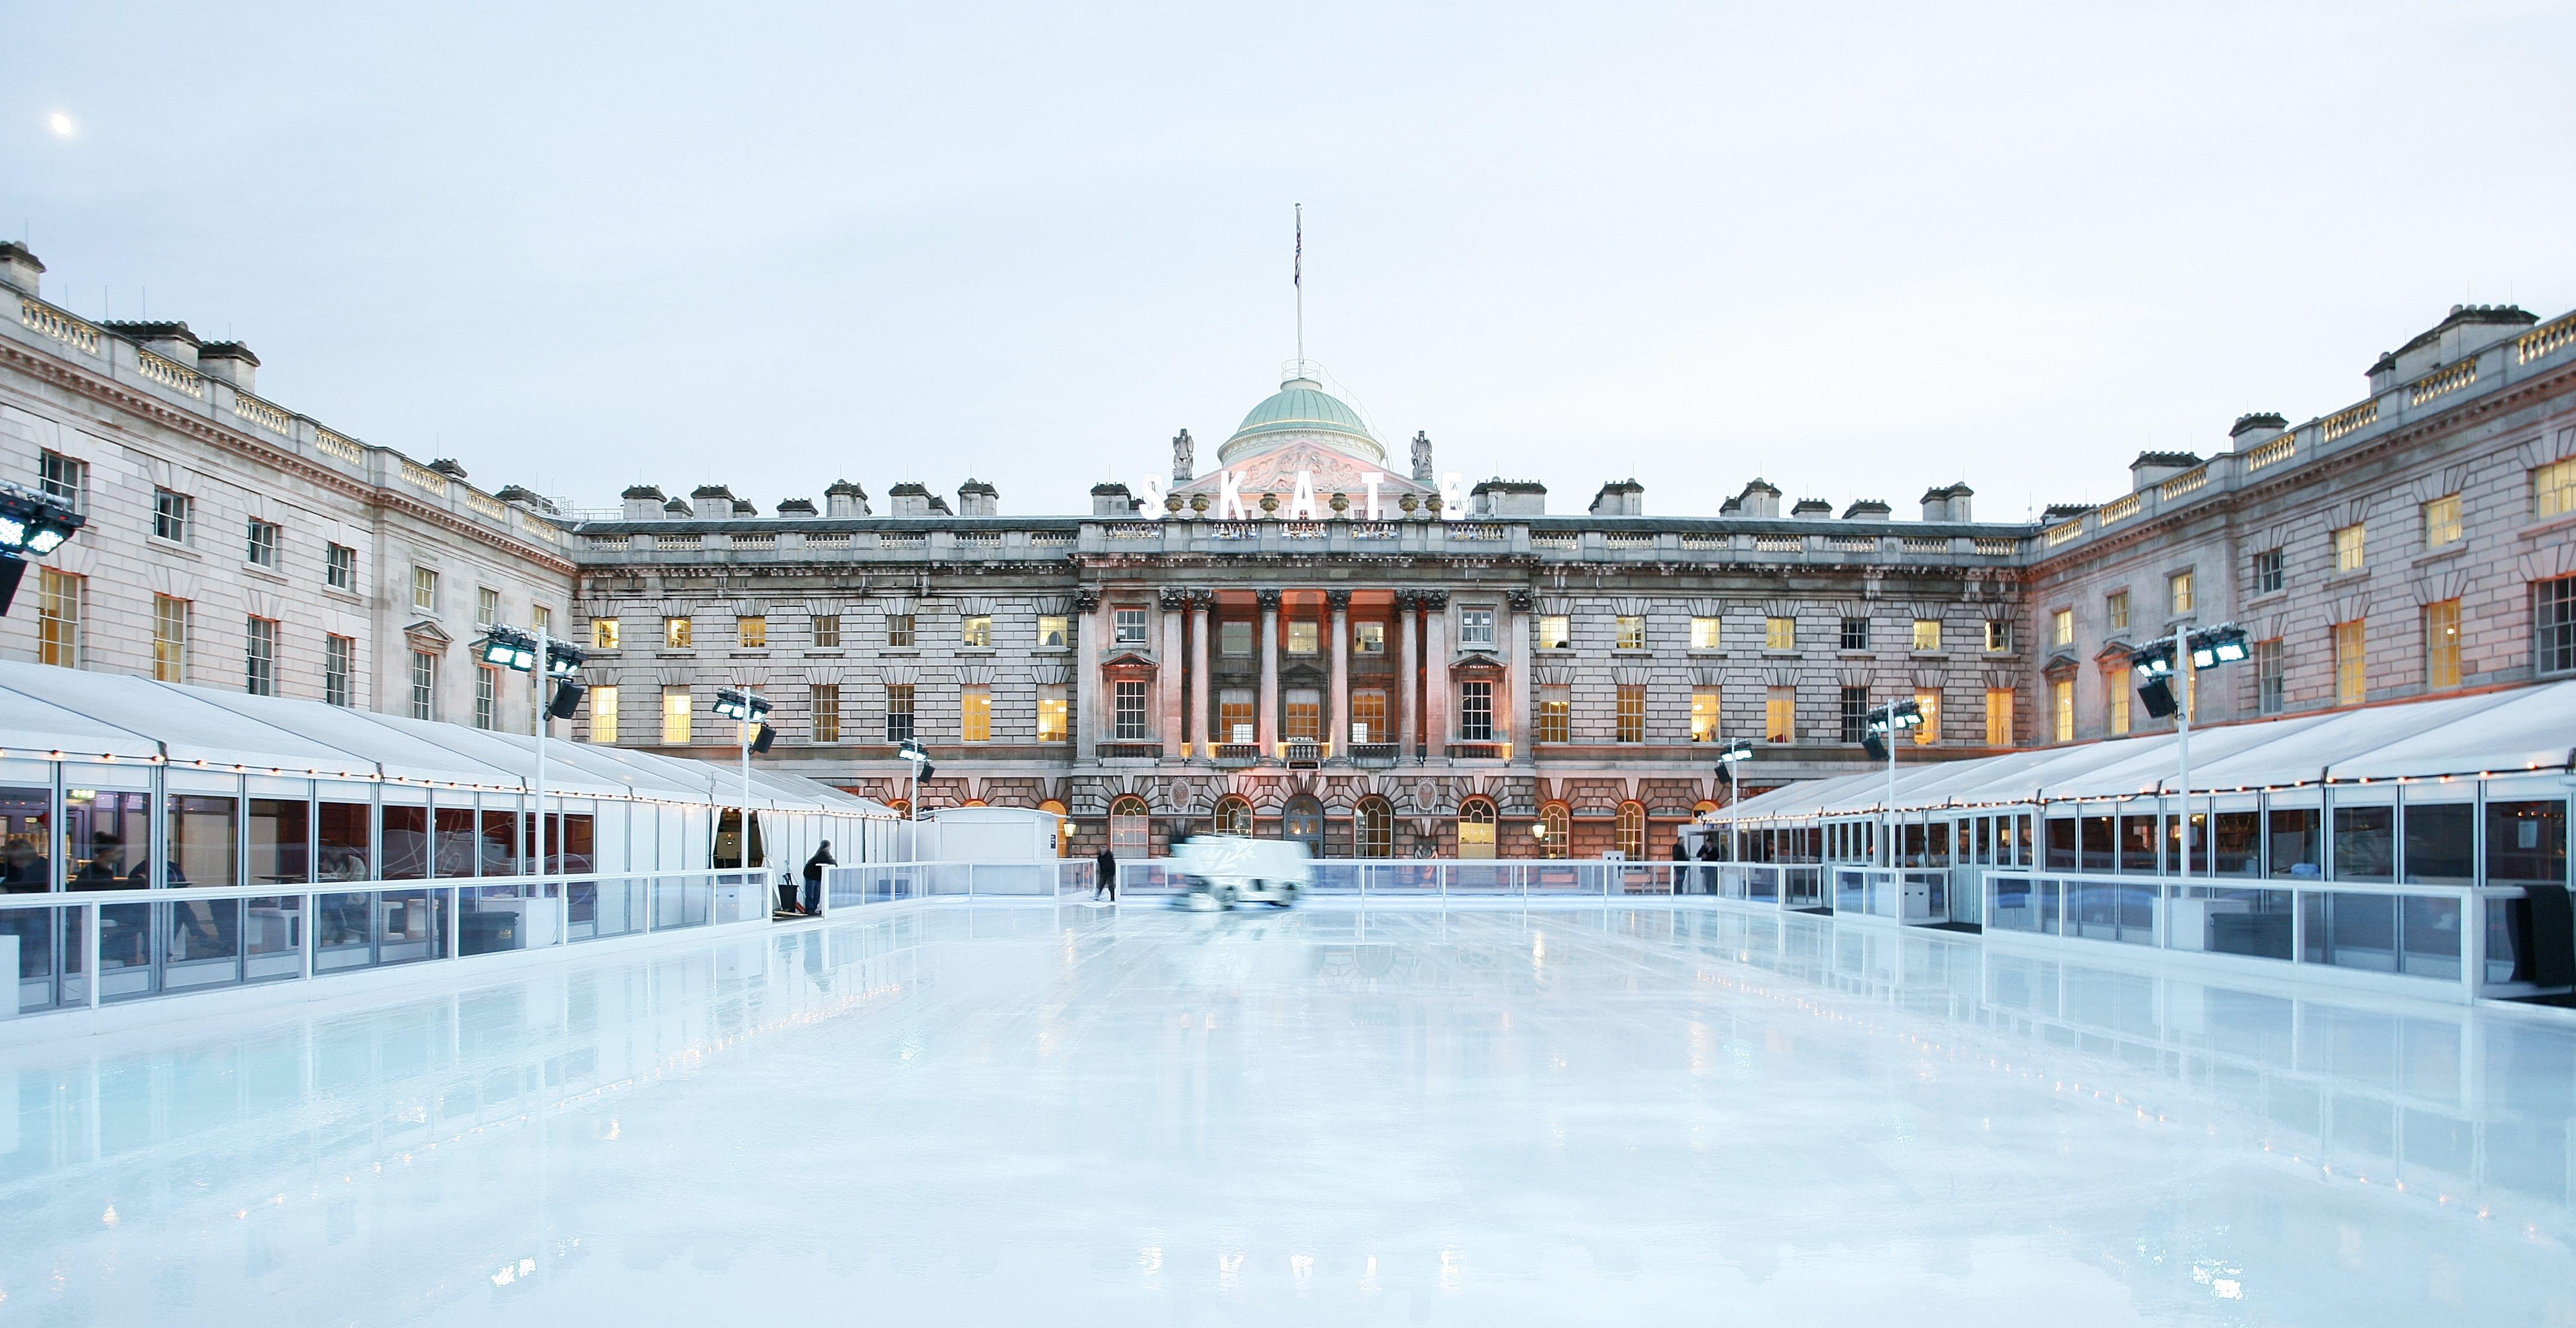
{"x":1313,"y":638}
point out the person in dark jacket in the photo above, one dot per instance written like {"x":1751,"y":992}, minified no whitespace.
{"x":1708,"y":875}
{"x":1106,"y":878}
{"x":814,"y":877}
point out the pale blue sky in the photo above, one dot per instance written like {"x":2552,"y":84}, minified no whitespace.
{"x":1856,"y":251}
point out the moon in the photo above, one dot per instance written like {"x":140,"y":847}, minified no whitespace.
{"x":60,"y":123}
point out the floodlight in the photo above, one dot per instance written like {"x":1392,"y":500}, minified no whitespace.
{"x":502,"y":646}
{"x":1734,"y":751}
{"x":563,"y":661}
{"x":912,"y":751}
{"x":1906,"y":714}
{"x":33,"y":524}
{"x":2155,"y":661}
{"x":741,"y":706}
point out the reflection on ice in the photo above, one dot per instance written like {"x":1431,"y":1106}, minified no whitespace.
{"x":1404,"y":1113}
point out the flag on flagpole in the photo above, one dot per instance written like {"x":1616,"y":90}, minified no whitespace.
{"x":1297,"y":265}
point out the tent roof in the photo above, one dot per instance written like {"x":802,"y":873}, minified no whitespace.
{"x":2530,"y":728}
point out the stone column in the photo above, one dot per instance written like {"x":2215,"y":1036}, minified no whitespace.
{"x":1266,"y":707}
{"x":1086,"y":677}
{"x":1520,"y":655}
{"x":1202,"y":718}
{"x":1337,"y":729}
{"x":1435,"y":675}
{"x":1167,"y":674}
{"x":1408,"y":666}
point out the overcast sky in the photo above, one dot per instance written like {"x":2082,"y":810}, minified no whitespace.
{"x":1856,"y":252}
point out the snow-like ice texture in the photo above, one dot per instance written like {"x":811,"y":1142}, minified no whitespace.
{"x":991,"y":1114}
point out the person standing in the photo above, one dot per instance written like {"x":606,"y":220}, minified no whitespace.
{"x":1105,"y":875}
{"x":814,"y":877}
{"x":1708,"y":853}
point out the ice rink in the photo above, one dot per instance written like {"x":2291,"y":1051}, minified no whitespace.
{"x":1409,"y":1114}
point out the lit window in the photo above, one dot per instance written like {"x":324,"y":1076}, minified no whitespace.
{"x":1055,"y":631}
{"x":2061,"y":696}
{"x":2116,"y":701}
{"x":2351,"y":668}
{"x":1632,"y":712}
{"x":751,"y":632}
{"x":898,"y":712}
{"x":2553,"y":489}
{"x":1632,"y":632}
{"x":1476,"y":828}
{"x":1475,"y":627}
{"x":603,"y":633}
{"x":2061,"y":627}
{"x":2115,"y":612}
{"x":170,"y":618}
{"x":424,"y":590}
{"x":541,"y":619}
{"x":1999,"y":717}
{"x":1927,"y":634}
{"x":2442,"y":522}
{"x":1632,"y":831}
{"x":603,"y":714}
{"x":58,"y":618}
{"x":2348,"y":547}
{"x":2442,"y":644}
{"x":1703,"y":714}
{"x":1558,"y":824}
{"x":975,"y":714}
{"x":1233,"y":816}
{"x":899,"y":631}
{"x":1555,"y":714}
{"x":1234,"y":721}
{"x":1999,"y":635}
{"x":1051,"y":712}
{"x":1368,"y":716}
{"x":975,"y":632}
{"x":1704,"y":633}
{"x":1368,"y":638}
{"x":1376,"y":828}
{"x":826,"y":707}
{"x":1301,"y":715}
{"x":1302,"y":636}
{"x":675,"y":634}
{"x":1130,"y":627}
{"x":1555,"y":632}
{"x":2178,"y":593}
{"x":1929,"y":731}
{"x":1780,"y":715}
{"x":827,"y":631}
{"x":1779,"y":633}
{"x":675,"y":716}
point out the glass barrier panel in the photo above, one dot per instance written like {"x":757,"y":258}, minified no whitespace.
{"x":273,"y":938}
{"x":411,"y":925}
{"x":51,"y":946}
{"x":342,"y":936}
{"x":2011,"y":904}
{"x":2240,"y":922}
{"x":2349,"y":930}
{"x":2093,"y":911}
{"x":1802,"y":887}
{"x":2428,"y":931}
{"x":495,"y":918}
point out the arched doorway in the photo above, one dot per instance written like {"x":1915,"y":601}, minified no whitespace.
{"x":1233,"y":816}
{"x":1303,"y":821}
{"x":1557,"y":830}
{"x":1632,"y":831}
{"x":1063,"y":827}
{"x":1374,"y":819}
{"x":1476,"y":828}
{"x":1130,"y":835}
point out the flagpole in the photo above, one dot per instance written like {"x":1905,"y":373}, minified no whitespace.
{"x":1297,"y":278}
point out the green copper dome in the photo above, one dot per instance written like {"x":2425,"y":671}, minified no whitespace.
{"x":1302,"y":406}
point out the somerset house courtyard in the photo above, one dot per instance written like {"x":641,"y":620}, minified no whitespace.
{"x":910,"y":668}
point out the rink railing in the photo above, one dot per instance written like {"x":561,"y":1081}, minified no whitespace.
{"x":1434,"y":878}
{"x":141,"y":943}
{"x":2462,"y":935}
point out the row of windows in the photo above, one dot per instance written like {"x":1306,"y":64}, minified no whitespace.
{"x":174,"y":518}
{"x":2553,"y":620}
{"x":1373,"y":826}
{"x":61,"y":615}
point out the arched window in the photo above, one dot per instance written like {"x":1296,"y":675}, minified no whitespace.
{"x":1632,"y":830}
{"x":1128,"y":834}
{"x":1476,"y":828}
{"x":1063,"y":827}
{"x":1376,"y":823}
{"x":1233,"y":816}
{"x":901,"y":808}
{"x":1559,"y":827}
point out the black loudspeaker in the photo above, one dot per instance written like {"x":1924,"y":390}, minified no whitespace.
{"x":1875,"y":745}
{"x":2159,"y":698}
{"x":760,"y":738}
{"x":2549,"y":938}
{"x":567,"y":699}
{"x":11,"y":569}
{"x":927,"y":770}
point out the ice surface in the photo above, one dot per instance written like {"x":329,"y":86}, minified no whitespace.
{"x":1076,"y":1115}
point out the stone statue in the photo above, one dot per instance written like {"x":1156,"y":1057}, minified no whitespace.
{"x":1422,"y":472}
{"x":1184,"y":459}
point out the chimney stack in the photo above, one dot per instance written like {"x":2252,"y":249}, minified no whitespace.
{"x":845,"y":499}
{"x":643,"y":502}
{"x":19,"y":269}
{"x":230,"y":361}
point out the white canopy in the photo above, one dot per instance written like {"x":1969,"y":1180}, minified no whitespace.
{"x":2514,"y":731}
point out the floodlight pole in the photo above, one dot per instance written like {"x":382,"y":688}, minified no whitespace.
{"x":1888,"y":814}
{"x":2182,"y":734}
{"x":544,"y":689}
{"x":742,"y":850}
